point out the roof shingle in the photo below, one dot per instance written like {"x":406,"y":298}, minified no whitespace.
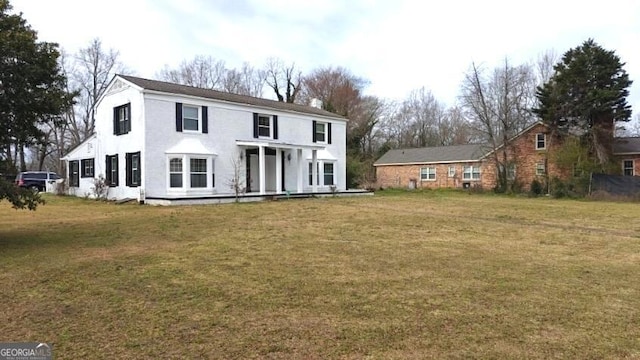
{"x":627,"y":145}
{"x":454,"y":153}
{"x":172,"y":88}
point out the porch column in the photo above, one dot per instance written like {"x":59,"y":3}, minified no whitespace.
{"x":279,"y":166}
{"x":261,"y":167}
{"x":300,"y":165}
{"x":314,"y":170}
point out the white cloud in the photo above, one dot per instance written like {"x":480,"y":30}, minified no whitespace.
{"x":399,"y":46}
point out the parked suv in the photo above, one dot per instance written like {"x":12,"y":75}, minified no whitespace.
{"x":36,"y":180}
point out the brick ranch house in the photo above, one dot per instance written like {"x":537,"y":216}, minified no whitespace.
{"x":473,"y":165}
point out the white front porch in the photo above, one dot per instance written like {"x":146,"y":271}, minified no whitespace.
{"x":273,"y":167}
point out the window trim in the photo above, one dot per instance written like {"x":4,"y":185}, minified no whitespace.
{"x":269,"y":126}
{"x":198,"y":119}
{"x":544,"y":141}
{"x":181,"y":172}
{"x":428,"y":173}
{"x":541,"y":165}
{"x":471,"y":172}
{"x":323,"y":132}
{"x":632,"y":168}
{"x":83,"y":168}
{"x":451,"y":172}
{"x":321,"y":173}
{"x":186,"y":187}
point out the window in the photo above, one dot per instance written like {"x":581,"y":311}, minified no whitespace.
{"x":86,"y":168}
{"x":198,"y":169}
{"x":264,"y":126}
{"x":175,"y":173}
{"x":122,"y":119}
{"x":133,"y":169}
{"x":190,"y":118}
{"x":627,"y":168}
{"x":311,"y":173}
{"x":541,"y":168}
{"x":328,"y":174}
{"x":74,"y":175}
{"x":452,"y":171}
{"x":112,"y":170}
{"x":321,"y":132}
{"x":427,"y":174}
{"x":471,"y":173}
{"x":541,"y":141}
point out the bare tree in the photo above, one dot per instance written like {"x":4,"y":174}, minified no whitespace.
{"x":285,"y":80}
{"x":237,"y":179}
{"x":246,"y":81}
{"x":202,"y":71}
{"x":498,"y":106}
{"x":93,"y":67}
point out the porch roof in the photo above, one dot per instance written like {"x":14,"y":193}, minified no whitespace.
{"x":277,"y":144}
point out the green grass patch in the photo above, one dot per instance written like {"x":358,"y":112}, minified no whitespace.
{"x":428,"y":274}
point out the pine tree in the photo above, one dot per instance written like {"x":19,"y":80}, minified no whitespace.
{"x":586,"y":96}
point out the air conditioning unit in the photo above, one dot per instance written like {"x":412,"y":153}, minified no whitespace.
{"x":466,"y":185}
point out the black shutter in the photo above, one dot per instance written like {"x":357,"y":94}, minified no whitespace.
{"x":314,"y":131}
{"x":275,"y":127}
{"x":205,"y":119}
{"x":128,"y":125}
{"x":179,"y":117}
{"x":329,"y":133}
{"x":107,"y":167}
{"x":115,"y":121}
{"x":128,"y":169}
{"x":255,"y":125}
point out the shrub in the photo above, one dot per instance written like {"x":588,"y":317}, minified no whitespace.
{"x":558,"y":188}
{"x":536,"y":188}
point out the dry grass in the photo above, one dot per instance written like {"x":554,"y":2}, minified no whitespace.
{"x":425,"y":275}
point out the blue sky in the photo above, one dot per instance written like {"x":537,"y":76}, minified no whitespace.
{"x":397,"y":45}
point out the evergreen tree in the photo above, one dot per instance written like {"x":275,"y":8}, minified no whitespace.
{"x":586,"y":96}
{"x":32,"y":92}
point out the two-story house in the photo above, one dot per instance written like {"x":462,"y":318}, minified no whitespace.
{"x":530,"y":156}
{"x":168,"y":143}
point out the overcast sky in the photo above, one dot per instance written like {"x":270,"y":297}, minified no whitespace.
{"x":398,"y":45}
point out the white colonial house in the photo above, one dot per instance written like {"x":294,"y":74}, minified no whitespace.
{"x":167,"y":143}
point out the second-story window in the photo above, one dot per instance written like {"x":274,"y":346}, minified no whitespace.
{"x":122,"y":119}
{"x":265,"y":126}
{"x":321,"y":132}
{"x":541,"y":141}
{"x":190,"y":119}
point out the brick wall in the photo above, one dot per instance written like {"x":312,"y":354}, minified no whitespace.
{"x":400,"y":176}
{"x":522,"y":152}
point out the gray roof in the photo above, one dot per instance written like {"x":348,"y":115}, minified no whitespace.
{"x":627,"y":145}
{"x":172,"y":88}
{"x":454,"y":153}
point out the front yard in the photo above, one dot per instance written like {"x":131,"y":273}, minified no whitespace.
{"x":397,"y":275}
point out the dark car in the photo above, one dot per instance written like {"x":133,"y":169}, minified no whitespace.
{"x":36,"y":180}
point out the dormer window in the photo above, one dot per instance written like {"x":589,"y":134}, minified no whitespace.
{"x":541,"y":141}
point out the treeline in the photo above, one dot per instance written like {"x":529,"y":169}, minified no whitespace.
{"x":494,"y":103}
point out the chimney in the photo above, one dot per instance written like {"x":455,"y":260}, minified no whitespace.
{"x":316,"y":103}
